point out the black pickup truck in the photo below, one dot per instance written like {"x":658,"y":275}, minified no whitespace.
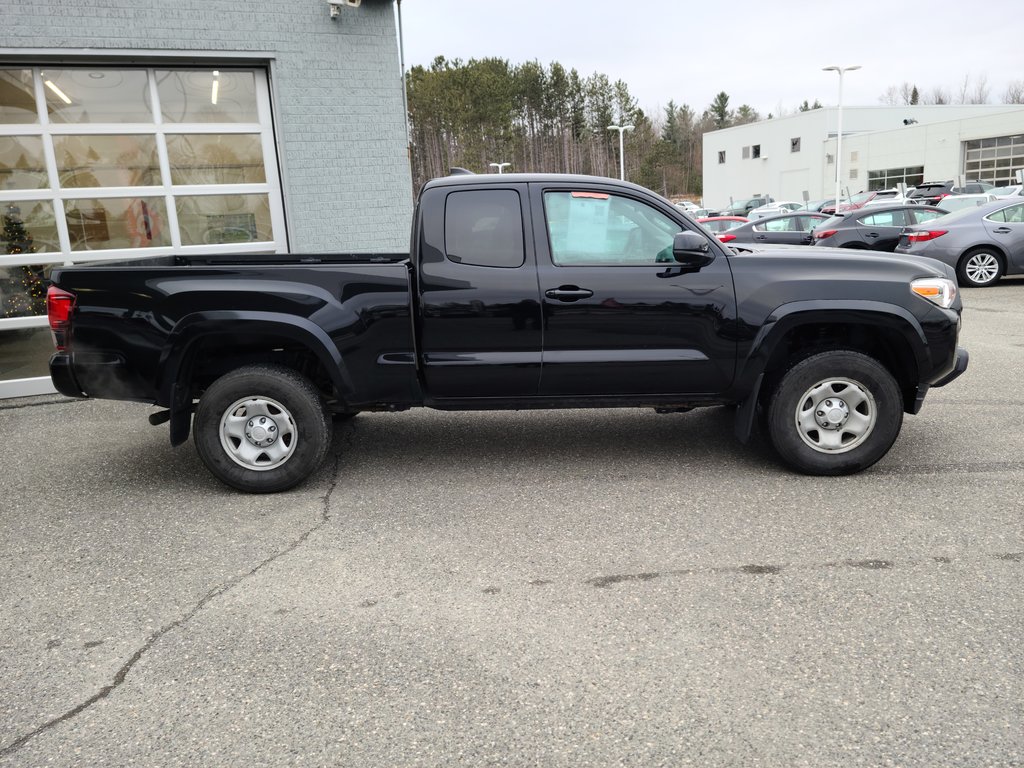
{"x":520,"y":291}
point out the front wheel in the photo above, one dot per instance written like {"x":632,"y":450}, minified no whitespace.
{"x":835,"y":413}
{"x":980,"y":268}
{"x":262,"y":428}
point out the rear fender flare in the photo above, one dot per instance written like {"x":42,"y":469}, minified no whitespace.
{"x":175,"y":366}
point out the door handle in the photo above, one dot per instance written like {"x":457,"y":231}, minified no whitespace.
{"x":1003,"y":231}
{"x":568,"y":293}
{"x":760,"y":237}
{"x":871,"y":234}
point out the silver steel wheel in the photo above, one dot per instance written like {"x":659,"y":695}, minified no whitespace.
{"x":836,"y":415}
{"x":982,"y":267}
{"x":258,"y":433}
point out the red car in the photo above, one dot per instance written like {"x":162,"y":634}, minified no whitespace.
{"x":719,"y":224}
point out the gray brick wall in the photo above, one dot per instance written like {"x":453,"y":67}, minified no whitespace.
{"x":335,"y":85}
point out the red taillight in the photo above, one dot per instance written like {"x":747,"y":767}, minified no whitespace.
{"x":725,"y":237}
{"x":923,"y":237}
{"x":59,"y":305}
{"x":944,"y":194}
{"x":825,"y":233}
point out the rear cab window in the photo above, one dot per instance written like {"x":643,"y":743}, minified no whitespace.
{"x":484,"y":228}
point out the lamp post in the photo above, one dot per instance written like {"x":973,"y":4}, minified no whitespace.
{"x":500,"y":166}
{"x":839,"y":124}
{"x":622,"y":160}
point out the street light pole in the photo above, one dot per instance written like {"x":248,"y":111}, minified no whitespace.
{"x":500,"y":166}
{"x":839,"y":124}
{"x":622,"y":160}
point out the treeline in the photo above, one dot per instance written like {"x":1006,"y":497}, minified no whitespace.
{"x":552,"y":120}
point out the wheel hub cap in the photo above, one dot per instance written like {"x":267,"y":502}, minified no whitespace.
{"x":835,"y":415}
{"x":261,"y":431}
{"x":832,"y":413}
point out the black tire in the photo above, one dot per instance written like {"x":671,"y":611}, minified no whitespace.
{"x":853,"y":395}
{"x":280,"y":451}
{"x":980,"y":268}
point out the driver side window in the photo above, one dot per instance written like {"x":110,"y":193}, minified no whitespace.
{"x":602,"y":229}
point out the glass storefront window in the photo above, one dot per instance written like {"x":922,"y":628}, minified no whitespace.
{"x":217,"y":219}
{"x":107,"y":161}
{"x":17,"y":97}
{"x":97,"y":181}
{"x":21,"y":163}
{"x":23,"y":290}
{"x":120,"y":222}
{"x":235,"y":158}
{"x":25,"y":353}
{"x":207,"y":96}
{"x":28,"y":226}
{"x":97,"y":95}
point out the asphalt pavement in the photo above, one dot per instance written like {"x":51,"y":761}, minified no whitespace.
{"x":560,"y":588}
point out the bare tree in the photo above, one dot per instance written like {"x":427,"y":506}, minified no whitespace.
{"x":890,"y":96}
{"x":979,"y":93}
{"x":1014,"y":93}
{"x":937,"y":95}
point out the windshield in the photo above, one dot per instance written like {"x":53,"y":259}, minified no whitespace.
{"x":1005,"y":191}
{"x":863,"y":197}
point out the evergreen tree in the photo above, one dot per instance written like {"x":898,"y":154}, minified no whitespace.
{"x":17,"y":240}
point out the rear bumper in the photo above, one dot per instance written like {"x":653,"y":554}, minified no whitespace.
{"x":63,"y":376}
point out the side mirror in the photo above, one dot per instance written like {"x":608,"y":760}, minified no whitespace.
{"x":692,"y":249}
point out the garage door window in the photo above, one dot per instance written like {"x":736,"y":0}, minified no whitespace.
{"x":105,"y":163}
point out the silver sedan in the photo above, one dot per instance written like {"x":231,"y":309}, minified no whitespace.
{"x":982,"y":243}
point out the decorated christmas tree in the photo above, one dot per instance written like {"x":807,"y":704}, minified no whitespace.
{"x":30,"y":296}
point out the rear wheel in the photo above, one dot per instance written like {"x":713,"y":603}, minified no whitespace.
{"x":980,"y":267}
{"x":262,"y":429}
{"x":835,"y":413}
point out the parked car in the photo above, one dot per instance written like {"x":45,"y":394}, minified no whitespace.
{"x":855,"y":202}
{"x":718,"y":224}
{"x":743,"y":207}
{"x":886,"y":197}
{"x":952,"y":203}
{"x":773,"y":209}
{"x":1014,"y":190}
{"x":689,"y":207}
{"x":982,"y":243}
{"x":786,"y":228}
{"x":876,"y":229}
{"x":817,"y":205}
{"x":931,"y":192}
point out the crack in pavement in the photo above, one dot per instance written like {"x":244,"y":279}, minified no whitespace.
{"x":214,"y":593}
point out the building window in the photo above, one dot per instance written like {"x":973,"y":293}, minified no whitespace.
{"x":853,"y":174}
{"x":755,"y":151}
{"x":105,"y":163}
{"x":853,"y":156}
{"x":746,"y":153}
{"x":829,"y":159}
{"x":994,"y":160}
{"x":794,"y":144}
{"x":890,"y":177}
{"x":721,"y":157}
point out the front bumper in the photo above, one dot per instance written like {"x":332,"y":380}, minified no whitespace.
{"x":962,"y":359}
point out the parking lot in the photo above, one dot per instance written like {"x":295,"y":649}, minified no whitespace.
{"x":523,"y":588}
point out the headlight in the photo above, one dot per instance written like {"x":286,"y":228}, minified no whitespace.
{"x":937,"y":290}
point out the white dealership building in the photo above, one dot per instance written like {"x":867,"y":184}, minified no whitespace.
{"x":793,"y":157}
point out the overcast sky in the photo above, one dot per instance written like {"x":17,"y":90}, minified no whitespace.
{"x":768,"y":55}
